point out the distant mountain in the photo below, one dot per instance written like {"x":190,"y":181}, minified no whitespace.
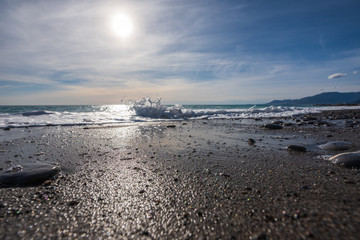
{"x":328,"y":98}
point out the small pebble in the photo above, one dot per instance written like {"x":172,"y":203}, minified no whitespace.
{"x":73,"y":203}
{"x":296,"y":148}
{"x":272,"y":126}
{"x":251,"y":141}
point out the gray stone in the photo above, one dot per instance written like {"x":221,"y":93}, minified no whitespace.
{"x":348,"y":160}
{"x":29,"y":174}
{"x":272,"y":126}
{"x":296,"y":148}
{"x":336,"y":146}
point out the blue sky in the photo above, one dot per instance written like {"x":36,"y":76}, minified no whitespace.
{"x":189,"y":51}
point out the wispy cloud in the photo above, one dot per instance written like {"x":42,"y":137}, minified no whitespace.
{"x":337,"y":75}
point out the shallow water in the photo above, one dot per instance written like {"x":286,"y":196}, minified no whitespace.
{"x":140,"y":111}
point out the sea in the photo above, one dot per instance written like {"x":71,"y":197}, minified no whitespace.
{"x":143,"y":110}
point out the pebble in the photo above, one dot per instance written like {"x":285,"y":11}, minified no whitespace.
{"x":321,"y":122}
{"x":251,"y":141}
{"x":348,"y":160}
{"x":296,"y":148}
{"x":272,"y":126}
{"x":335,"y":146}
{"x":73,"y":203}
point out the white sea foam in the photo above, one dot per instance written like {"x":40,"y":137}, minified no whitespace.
{"x":148,"y":109}
{"x":144,"y":110}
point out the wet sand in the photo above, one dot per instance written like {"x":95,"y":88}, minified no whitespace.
{"x":185,"y":180}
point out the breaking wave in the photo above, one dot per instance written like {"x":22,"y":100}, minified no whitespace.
{"x":36,"y":113}
{"x":154,"y":109}
{"x":143,"y":110}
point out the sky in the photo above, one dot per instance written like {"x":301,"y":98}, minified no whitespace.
{"x":186,"y":52}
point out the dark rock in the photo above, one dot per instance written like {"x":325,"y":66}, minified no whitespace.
{"x":6,"y":128}
{"x":296,"y":148}
{"x":171,"y":126}
{"x":73,"y":203}
{"x":321,"y":122}
{"x":251,"y":141}
{"x":145,"y":233}
{"x":272,"y":126}
{"x":301,"y":123}
{"x":29,"y":174}
{"x":261,"y":236}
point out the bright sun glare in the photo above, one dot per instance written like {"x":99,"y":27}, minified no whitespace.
{"x":122,"y":25}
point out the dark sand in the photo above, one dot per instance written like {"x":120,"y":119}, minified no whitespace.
{"x":197,"y":180}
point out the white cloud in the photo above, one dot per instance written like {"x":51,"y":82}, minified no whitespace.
{"x":337,"y":75}
{"x":355,"y":72}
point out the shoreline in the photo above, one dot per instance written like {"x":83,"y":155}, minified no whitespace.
{"x":185,"y":180}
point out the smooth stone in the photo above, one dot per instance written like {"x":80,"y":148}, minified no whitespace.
{"x":336,"y":146}
{"x":296,"y":148}
{"x":348,"y":160}
{"x":321,"y":122}
{"x":251,"y":141}
{"x":272,"y":126}
{"x":29,"y":174}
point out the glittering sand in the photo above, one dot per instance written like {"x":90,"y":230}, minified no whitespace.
{"x":185,"y":180}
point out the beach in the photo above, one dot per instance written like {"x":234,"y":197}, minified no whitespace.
{"x":185,"y":179}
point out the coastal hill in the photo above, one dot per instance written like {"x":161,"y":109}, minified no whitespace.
{"x":327,"y":98}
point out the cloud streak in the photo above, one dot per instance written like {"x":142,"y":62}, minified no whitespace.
{"x":337,"y":75}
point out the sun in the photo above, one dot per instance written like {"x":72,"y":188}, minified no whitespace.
{"x":122,"y":25}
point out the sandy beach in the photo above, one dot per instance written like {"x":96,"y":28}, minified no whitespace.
{"x":200,"y":179}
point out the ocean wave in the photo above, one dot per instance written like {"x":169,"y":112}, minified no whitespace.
{"x":36,"y":113}
{"x":144,"y":110}
{"x":154,"y":109}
